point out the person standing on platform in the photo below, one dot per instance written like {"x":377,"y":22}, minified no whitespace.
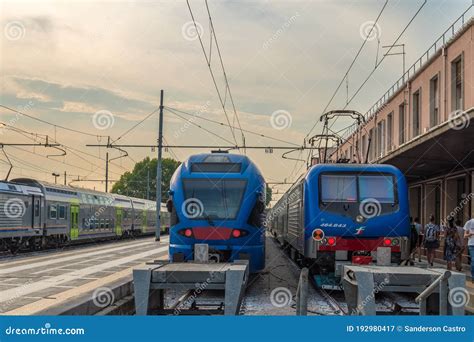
{"x":431,"y":242}
{"x":451,"y":244}
{"x":469,"y":234}
{"x":462,"y":245}
{"x":419,"y":242}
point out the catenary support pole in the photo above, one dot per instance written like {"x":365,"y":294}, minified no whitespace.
{"x":158,"y":170}
{"x":107,"y":172}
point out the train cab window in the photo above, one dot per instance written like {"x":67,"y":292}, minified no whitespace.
{"x":338,"y":188}
{"x":53,"y":212}
{"x":62,"y":212}
{"x":219,"y":198}
{"x":379,"y":187}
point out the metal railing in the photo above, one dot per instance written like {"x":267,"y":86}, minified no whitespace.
{"x":441,"y":283}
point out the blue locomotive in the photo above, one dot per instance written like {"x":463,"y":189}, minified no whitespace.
{"x":218,"y":199}
{"x":341,"y":213}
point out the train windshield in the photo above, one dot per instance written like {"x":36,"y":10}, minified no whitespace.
{"x":379,"y":187}
{"x":338,"y":188}
{"x":220,"y":198}
{"x":356,"y":188}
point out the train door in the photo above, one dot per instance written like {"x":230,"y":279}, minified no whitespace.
{"x":144,"y":221}
{"x":36,"y":212}
{"x":118,"y":221}
{"x":74,"y":221}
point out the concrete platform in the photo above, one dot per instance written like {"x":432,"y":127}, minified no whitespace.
{"x":34,"y":284}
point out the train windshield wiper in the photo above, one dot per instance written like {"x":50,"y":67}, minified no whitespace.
{"x":208,"y":218}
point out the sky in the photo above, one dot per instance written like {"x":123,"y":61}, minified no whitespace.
{"x":97,"y":68}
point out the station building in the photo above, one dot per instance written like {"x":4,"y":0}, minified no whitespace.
{"x":424,"y":125}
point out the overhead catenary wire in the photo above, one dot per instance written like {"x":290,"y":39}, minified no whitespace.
{"x":208,"y":62}
{"x":328,"y":127}
{"x":213,"y":33}
{"x":199,"y":126}
{"x":223,"y":124}
{"x":51,"y":124}
{"x":136,"y":125}
{"x":383,"y":57}
{"x":350,"y":66}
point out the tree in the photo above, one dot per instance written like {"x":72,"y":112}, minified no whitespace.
{"x":143,"y":177}
{"x":268,"y":196}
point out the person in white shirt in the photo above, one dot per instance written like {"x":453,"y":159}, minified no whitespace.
{"x":469,"y":235}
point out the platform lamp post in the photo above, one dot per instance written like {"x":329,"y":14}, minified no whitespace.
{"x":55,"y":175}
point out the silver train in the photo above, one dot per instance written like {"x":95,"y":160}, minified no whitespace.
{"x":36,"y":215}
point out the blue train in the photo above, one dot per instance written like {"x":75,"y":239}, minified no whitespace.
{"x":218,"y":199}
{"x":341,"y":213}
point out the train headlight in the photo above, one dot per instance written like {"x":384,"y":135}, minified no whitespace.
{"x":237,"y":233}
{"x":387,"y":242}
{"x":188,"y":232}
{"x":360,"y":218}
{"x":395,"y":242}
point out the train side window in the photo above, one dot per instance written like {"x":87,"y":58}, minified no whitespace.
{"x":62,"y":212}
{"x":53,"y":212}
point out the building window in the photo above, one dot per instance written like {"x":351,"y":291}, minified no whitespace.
{"x":416,"y":112}
{"x":371,"y":144}
{"x":364,"y":148}
{"x":390,"y":131}
{"x":457,"y":84}
{"x":53,"y":212}
{"x":380,"y":139}
{"x":401,"y":123}
{"x":434,"y":101}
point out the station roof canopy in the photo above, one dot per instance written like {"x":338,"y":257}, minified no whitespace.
{"x":444,"y":149}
